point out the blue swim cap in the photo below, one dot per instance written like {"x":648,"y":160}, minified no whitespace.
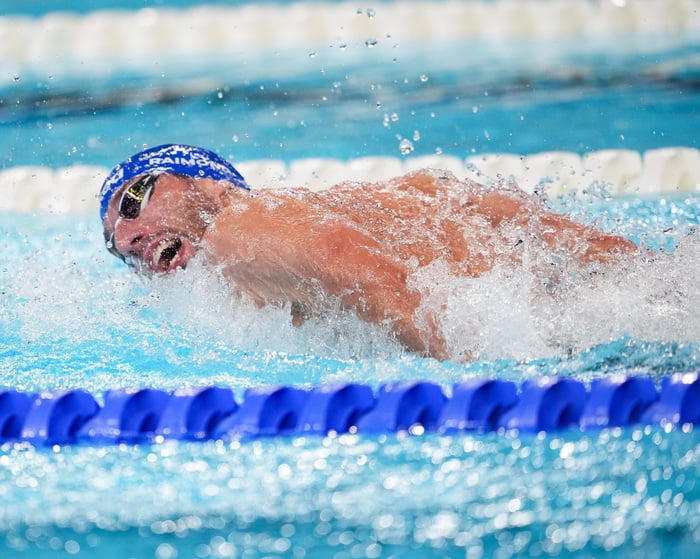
{"x":180,"y":159}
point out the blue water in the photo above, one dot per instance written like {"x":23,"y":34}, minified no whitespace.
{"x":283,"y":120}
{"x":628,"y":493}
{"x":326,"y":103}
{"x":72,"y":316}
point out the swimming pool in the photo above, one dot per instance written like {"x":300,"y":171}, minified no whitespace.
{"x":310,"y":94}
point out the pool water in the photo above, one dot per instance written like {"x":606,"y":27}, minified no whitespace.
{"x":437,"y":109}
{"x":622,"y":493}
{"x":73,"y":317}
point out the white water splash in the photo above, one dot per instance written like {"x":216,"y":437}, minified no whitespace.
{"x":505,"y":314}
{"x":198,"y":300}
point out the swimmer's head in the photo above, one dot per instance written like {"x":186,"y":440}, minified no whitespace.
{"x":178,"y":159}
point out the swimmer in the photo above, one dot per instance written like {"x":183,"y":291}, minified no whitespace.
{"x":358,"y":245}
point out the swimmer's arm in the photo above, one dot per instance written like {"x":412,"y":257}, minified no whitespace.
{"x":558,"y":231}
{"x":288,"y":253}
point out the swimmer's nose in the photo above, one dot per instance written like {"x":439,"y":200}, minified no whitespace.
{"x":127,"y":237}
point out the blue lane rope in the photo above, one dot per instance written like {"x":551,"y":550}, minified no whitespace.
{"x":205,"y":413}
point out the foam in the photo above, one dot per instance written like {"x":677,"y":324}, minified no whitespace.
{"x":109,"y":40}
{"x":504,"y":314}
{"x":73,"y":189}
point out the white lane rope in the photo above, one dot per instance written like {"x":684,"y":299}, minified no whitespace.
{"x":113,"y":40}
{"x":74,"y":189}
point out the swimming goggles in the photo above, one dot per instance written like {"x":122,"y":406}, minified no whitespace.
{"x":133,"y":201}
{"x":135,"y":198}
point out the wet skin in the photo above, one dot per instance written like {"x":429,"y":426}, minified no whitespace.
{"x":356,"y":243}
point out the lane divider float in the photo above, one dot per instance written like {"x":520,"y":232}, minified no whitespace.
{"x":73,"y":190}
{"x":132,"y":416}
{"x":104,"y":41}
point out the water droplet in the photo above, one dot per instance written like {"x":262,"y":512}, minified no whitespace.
{"x":424,"y":78}
{"x":16,"y":77}
{"x":235,"y":139}
{"x":166,"y":551}
{"x":475,"y":109}
{"x":342,"y":46}
{"x":220,"y":94}
{"x":438,"y":151}
{"x":416,"y":135}
{"x":312,"y":54}
{"x":371,"y":13}
{"x":394,"y":117}
{"x":371,"y":42}
{"x":405,"y":146}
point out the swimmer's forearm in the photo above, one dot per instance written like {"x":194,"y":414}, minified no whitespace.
{"x":558,"y":231}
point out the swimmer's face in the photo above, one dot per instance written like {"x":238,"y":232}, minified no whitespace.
{"x":156,"y":222}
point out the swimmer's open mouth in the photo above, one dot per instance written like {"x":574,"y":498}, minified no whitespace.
{"x":164,"y":256}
